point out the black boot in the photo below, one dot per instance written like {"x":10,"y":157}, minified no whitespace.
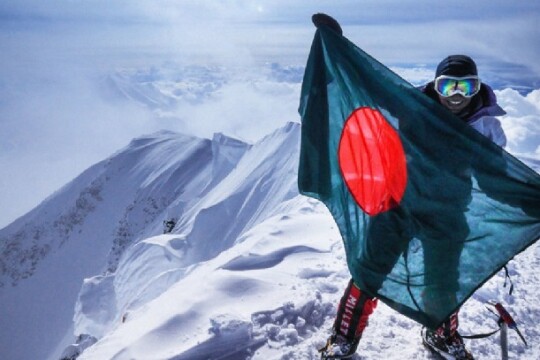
{"x":446,"y":342}
{"x":352,"y":318}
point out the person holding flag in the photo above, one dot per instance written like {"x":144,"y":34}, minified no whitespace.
{"x":419,"y":191}
{"x":457,"y":87}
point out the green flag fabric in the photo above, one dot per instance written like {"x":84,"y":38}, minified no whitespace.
{"x":429,"y":209}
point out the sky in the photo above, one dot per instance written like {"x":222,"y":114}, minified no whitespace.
{"x":56,"y":120}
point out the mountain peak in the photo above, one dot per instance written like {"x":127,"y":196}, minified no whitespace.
{"x":213,"y":191}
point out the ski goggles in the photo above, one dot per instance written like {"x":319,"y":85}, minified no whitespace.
{"x":447,"y":86}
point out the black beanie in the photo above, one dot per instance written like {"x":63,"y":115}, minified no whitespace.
{"x":456,"y":65}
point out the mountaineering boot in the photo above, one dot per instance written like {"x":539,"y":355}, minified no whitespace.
{"x":338,"y":347}
{"x":351,"y":319}
{"x":445,"y":342}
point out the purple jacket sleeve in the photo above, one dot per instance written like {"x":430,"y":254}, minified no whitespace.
{"x":490,"y":127}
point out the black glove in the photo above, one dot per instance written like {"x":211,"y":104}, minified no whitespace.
{"x":320,"y":19}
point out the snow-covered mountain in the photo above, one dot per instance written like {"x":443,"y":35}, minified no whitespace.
{"x":178,"y":247}
{"x":215,"y":190}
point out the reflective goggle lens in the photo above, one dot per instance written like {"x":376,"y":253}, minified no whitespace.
{"x":448,"y":86}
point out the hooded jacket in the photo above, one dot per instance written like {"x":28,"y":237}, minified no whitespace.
{"x":480,"y":113}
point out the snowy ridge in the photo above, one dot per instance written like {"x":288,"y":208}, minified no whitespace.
{"x":227,"y":299}
{"x":83,"y":229}
{"x":220,"y":215}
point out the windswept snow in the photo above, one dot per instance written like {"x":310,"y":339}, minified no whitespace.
{"x":84,"y":228}
{"x":233,"y":307}
{"x":225,"y":295}
{"x":250,"y":269}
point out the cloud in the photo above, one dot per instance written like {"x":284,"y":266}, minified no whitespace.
{"x":54,"y":123}
{"x":522,"y":122}
{"x":261,"y":108}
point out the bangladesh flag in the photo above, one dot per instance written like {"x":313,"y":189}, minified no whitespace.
{"x":429,"y":209}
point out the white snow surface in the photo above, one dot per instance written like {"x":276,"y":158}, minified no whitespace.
{"x":252,"y":270}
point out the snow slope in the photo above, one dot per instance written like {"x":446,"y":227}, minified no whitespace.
{"x":250,"y":270}
{"x":82,"y":230}
{"x":273,"y":296}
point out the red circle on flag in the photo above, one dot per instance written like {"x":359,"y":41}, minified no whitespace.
{"x":372,"y":161}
